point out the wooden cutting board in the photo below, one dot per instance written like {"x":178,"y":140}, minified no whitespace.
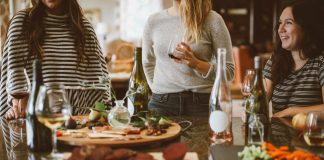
{"x":172,"y":132}
{"x":156,"y":155}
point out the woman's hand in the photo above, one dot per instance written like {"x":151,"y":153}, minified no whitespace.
{"x":289,"y":112}
{"x":188,"y":58}
{"x":13,"y":112}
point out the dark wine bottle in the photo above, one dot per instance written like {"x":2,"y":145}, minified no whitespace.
{"x":138,"y":87}
{"x":38,"y":136}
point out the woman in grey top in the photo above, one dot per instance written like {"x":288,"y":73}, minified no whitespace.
{"x":295,"y":73}
{"x":182,"y":84}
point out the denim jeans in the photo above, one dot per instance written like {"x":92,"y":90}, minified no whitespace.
{"x":182,"y":103}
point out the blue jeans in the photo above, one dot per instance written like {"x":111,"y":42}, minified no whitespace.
{"x":182,"y":103}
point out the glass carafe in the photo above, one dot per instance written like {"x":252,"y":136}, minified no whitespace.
{"x":119,"y":116}
{"x":256,"y":131}
{"x":220,"y":104}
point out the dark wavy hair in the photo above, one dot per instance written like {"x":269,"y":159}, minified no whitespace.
{"x":35,"y":31}
{"x":309,"y":15}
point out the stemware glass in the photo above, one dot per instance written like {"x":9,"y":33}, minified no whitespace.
{"x":176,"y":40}
{"x":314,"y":134}
{"x":52,"y":110}
{"x":18,"y":86}
{"x":247,"y":84}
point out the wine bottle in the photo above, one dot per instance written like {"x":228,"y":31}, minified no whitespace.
{"x":38,"y":136}
{"x":138,"y":88}
{"x":257,"y":101}
{"x":220,"y":119}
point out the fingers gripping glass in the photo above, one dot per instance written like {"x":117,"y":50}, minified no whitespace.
{"x":18,"y":86}
{"x":176,"y":40}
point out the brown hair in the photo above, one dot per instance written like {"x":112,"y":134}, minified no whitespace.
{"x":307,"y":15}
{"x":34,"y":27}
{"x":193,"y":14}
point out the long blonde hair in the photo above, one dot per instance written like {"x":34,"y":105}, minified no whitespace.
{"x":193,"y":14}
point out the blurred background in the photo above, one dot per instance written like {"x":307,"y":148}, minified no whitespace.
{"x":119,"y":26}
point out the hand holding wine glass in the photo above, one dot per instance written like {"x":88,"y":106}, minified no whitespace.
{"x":181,"y":52}
{"x":176,"y":40}
{"x":18,"y":87}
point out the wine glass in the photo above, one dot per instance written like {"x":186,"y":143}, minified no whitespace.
{"x":52,"y":110}
{"x":314,"y":134}
{"x":176,"y":40}
{"x":246,"y":89}
{"x":18,"y":86}
{"x":247,"y":84}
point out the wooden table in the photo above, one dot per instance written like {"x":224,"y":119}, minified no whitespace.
{"x":196,"y":138}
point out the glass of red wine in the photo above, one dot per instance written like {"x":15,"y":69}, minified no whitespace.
{"x":176,"y":40}
{"x":18,"y":86}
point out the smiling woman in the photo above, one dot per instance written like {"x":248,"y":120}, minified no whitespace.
{"x":295,"y":73}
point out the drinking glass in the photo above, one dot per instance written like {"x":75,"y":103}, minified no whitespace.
{"x":52,"y":110}
{"x":256,"y":130}
{"x":176,"y":40}
{"x":247,"y":84}
{"x":18,"y":137}
{"x":18,"y":86}
{"x":314,"y":134}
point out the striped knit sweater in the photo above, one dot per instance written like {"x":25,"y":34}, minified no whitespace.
{"x":60,"y":62}
{"x":301,"y":88}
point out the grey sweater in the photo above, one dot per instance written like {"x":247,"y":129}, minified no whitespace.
{"x":166,"y":76}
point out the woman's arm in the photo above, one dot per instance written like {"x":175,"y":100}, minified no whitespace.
{"x":293,"y":110}
{"x":268,"y":88}
{"x":148,"y":57}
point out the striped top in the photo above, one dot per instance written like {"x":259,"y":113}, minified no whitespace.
{"x":59,"y":63}
{"x":301,"y":88}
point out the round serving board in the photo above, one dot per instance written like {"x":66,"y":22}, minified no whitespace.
{"x":172,"y":132}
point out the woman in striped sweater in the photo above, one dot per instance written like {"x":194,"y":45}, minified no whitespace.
{"x":56,"y":32}
{"x":295,"y":73}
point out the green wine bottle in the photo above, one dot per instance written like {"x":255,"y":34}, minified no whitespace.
{"x":258,"y":103}
{"x":38,"y":135}
{"x":138,"y":88}
{"x":258,"y":98}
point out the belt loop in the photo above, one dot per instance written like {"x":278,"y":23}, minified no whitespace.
{"x":181,"y":104}
{"x":195,"y":97}
{"x":164,"y":98}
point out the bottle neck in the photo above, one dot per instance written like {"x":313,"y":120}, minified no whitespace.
{"x":138,"y":69}
{"x":258,"y":77}
{"x":221,"y":66}
{"x":138,"y":59}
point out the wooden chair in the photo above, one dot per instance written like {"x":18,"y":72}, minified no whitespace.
{"x":243,"y":61}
